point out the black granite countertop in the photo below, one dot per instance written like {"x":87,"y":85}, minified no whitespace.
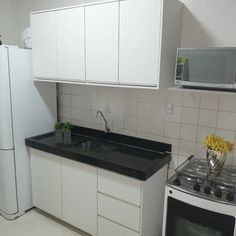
{"x":134,"y":157}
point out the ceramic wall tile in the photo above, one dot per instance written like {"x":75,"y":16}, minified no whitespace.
{"x":209,"y":101}
{"x":208,"y":118}
{"x":172,"y":130}
{"x":203,"y":132}
{"x":227,"y":103}
{"x":188,"y":132}
{"x":142,"y":113}
{"x":226,"y":120}
{"x":176,"y":115}
{"x":191,"y":100}
{"x":65,"y":100}
{"x":64,"y":89}
{"x":190,"y":116}
{"x":186,"y":148}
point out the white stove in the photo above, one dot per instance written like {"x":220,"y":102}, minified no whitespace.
{"x":199,"y":203}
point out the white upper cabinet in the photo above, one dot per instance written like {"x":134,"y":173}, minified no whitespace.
{"x":128,"y":43}
{"x":146,"y":27}
{"x":140,"y":29}
{"x":101,"y":22}
{"x":71,"y":44}
{"x":44,"y":45}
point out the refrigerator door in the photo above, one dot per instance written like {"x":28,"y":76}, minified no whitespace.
{"x":6,"y":137}
{"x":8,"y":194}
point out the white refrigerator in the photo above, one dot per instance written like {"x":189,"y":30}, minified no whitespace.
{"x":27,"y":108}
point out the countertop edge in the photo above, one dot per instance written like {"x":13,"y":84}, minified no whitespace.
{"x":127,"y":171}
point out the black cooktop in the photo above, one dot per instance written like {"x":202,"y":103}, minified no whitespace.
{"x":134,"y":157}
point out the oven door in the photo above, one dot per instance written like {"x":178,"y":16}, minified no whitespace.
{"x":188,"y":215}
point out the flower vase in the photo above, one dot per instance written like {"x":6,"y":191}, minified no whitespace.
{"x":215,"y":160}
{"x":59,"y":136}
{"x":67,"y":136}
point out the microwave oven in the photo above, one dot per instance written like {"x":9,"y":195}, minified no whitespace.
{"x":206,"y":68}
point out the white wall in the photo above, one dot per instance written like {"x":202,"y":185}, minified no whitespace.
{"x":27,"y":6}
{"x":209,"y":23}
{"x":8,"y":21}
{"x":205,"y":23}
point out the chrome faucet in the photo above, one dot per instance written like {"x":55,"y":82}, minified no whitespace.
{"x":107,"y":130}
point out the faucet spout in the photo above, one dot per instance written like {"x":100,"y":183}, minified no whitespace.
{"x":107,"y":129}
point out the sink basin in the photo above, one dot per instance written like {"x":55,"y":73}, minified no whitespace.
{"x":97,"y":146}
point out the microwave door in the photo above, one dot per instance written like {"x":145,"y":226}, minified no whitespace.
{"x":206,"y":67}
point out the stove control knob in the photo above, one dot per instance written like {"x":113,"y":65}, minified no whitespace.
{"x":196,"y":187}
{"x":207,"y":190}
{"x":218,"y":193}
{"x":230,"y":196}
{"x":177,"y":181}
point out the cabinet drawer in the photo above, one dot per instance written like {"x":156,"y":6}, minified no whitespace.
{"x":108,"y":228}
{"x":118,"y":211}
{"x":119,"y":186}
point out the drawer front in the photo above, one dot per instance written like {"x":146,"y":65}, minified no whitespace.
{"x":118,"y":211}
{"x":108,"y":228}
{"x":119,"y":186}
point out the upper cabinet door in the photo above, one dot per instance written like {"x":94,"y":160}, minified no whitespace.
{"x":140,"y":34}
{"x":44,"y":45}
{"x":70,"y":44}
{"x":101,"y":22}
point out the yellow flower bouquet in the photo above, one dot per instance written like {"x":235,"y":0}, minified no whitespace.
{"x":218,"y":144}
{"x":216,"y":152}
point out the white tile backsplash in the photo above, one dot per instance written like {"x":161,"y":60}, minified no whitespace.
{"x":175,"y":98}
{"x":209,"y":101}
{"x":229,"y":135}
{"x":186,"y":148}
{"x":65,"y":100}
{"x":208,"y":118}
{"x":143,"y":113}
{"x":176,"y":116}
{"x":227,"y":103}
{"x":172,"y":130}
{"x":191,"y":100}
{"x":203,"y":132}
{"x":188,"y":132}
{"x":190,"y":116}
{"x":226,"y":120}
{"x":157,"y":127}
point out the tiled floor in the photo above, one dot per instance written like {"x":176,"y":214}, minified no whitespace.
{"x":33,"y":223}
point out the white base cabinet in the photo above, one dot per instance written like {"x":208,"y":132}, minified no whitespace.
{"x":108,"y":228}
{"x":79,"y":194}
{"x":97,"y":201}
{"x":46,"y":182}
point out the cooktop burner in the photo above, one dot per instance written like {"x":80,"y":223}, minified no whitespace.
{"x":196,"y":179}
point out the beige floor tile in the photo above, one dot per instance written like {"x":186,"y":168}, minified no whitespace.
{"x":35,"y":223}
